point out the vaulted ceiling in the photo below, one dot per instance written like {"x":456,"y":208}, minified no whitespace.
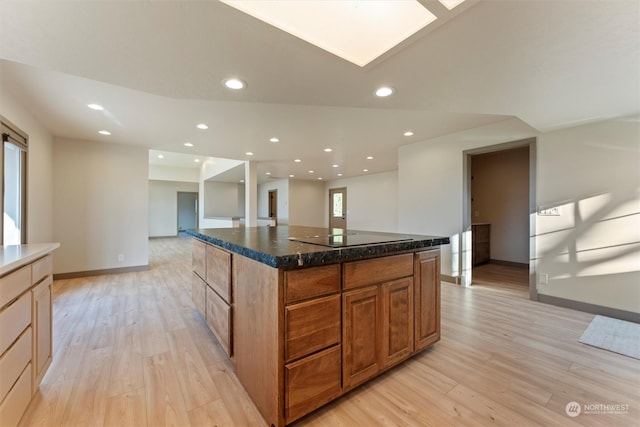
{"x":157,"y":68}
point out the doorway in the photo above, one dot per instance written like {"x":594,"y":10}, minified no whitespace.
{"x":338,"y":208}
{"x":499,"y":215}
{"x":273,"y":206}
{"x":187,"y":211}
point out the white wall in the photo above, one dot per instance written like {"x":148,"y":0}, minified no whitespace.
{"x":163,"y":206}
{"x":220,"y":199}
{"x":372,"y":201}
{"x":172,"y":173}
{"x":591,"y":251}
{"x":307,"y":204}
{"x":39,"y":168}
{"x":282,"y":185}
{"x":100,"y":205}
{"x":430,"y":183}
{"x":500,"y":192}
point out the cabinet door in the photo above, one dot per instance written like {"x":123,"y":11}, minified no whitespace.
{"x":361,"y":335}
{"x":219,"y":272}
{"x":42,"y":329}
{"x":218,"y":318}
{"x":198,"y":256}
{"x":397,"y":320}
{"x":198,"y":294}
{"x":311,"y":382}
{"x":427,"y":298}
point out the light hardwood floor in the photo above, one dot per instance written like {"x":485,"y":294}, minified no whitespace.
{"x":130,"y":350}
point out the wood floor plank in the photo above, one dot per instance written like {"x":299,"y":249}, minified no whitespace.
{"x":126,"y":410}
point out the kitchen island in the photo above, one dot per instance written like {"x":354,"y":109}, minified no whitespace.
{"x":307,"y":314}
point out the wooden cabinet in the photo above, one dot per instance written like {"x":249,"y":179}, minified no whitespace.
{"x":481,"y":244}
{"x":218,"y":317}
{"x":302,"y":337}
{"x":397,"y":321}
{"x":427,"y":298}
{"x":211,"y":290}
{"x":362,"y":335}
{"x":25,"y":336}
{"x":311,"y":382}
{"x":377,"y":320}
{"x":42,"y":329}
{"x":312,"y":337}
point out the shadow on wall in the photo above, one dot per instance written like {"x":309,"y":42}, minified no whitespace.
{"x":588,"y":250}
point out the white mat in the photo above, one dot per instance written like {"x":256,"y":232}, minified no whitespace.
{"x":614,"y":335}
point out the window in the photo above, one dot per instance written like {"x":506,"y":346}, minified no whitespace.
{"x":14,"y":177}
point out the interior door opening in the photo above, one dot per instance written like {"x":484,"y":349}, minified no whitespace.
{"x":338,"y":208}
{"x":499,"y":201}
{"x":273,"y":206}
{"x":187,"y":211}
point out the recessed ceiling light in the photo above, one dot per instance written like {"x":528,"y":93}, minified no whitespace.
{"x":328,"y":150}
{"x":291,"y":175}
{"x":104,"y":132}
{"x":365,"y":170}
{"x":161,"y":156}
{"x":242,"y":180}
{"x":188,"y":144}
{"x":408,"y":133}
{"x":249,"y":153}
{"x":274,"y":139}
{"x":384,"y":91}
{"x":297,"y":160}
{"x":335,"y":166}
{"x":369,"y":157}
{"x":267,"y":173}
{"x":196,"y":160}
{"x":234,"y":84}
{"x":202,"y":126}
{"x":311,"y":171}
{"x":339,"y":174}
{"x":96,"y":107}
{"x":320,"y":178}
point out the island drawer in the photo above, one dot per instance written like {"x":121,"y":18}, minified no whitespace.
{"x":12,"y":363}
{"x":218,"y":318}
{"x":13,"y":284}
{"x":376,"y":270}
{"x":311,"y":326}
{"x":41,"y":269}
{"x":13,"y":320}
{"x":219,"y":272}
{"x":311,"y":282}
{"x":16,"y":402}
{"x":198,"y":255}
{"x":311,"y":382}
{"x":198,"y":293}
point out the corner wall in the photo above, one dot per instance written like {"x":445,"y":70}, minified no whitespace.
{"x":589,"y":250}
{"x":100,"y":206}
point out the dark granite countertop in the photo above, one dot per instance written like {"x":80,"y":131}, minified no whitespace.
{"x":271,"y":245}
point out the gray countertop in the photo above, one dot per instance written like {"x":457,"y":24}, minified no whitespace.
{"x":271,"y":245}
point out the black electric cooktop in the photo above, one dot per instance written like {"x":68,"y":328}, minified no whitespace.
{"x":344,"y":240}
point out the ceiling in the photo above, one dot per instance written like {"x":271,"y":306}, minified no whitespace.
{"x":157,"y":68}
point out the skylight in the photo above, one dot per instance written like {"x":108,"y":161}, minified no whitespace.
{"x":356,"y":30}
